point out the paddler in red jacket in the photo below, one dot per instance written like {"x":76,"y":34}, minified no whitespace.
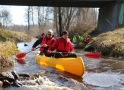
{"x":45,"y":42}
{"x":62,"y":45}
{"x":87,"y":40}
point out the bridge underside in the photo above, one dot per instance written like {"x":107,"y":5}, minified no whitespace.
{"x":59,"y":3}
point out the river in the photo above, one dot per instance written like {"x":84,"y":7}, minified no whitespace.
{"x":105,"y":73}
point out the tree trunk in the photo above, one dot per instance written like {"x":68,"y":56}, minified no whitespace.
{"x":60,"y":21}
{"x":39,"y":20}
{"x":32,"y":12}
{"x":56,"y":20}
{"x":28,"y":18}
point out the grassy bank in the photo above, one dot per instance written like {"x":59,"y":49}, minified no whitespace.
{"x":110,"y":43}
{"x":8,"y":48}
{"x":7,"y":35}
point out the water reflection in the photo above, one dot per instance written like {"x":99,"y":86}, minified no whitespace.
{"x":104,"y":79}
{"x":113,"y":65}
{"x":104,"y":74}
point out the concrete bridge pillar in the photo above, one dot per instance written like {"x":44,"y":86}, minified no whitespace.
{"x":108,"y":17}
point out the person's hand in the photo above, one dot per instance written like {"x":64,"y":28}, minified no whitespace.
{"x":51,"y":51}
{"x":44,"y":45}
{"x":33,"y":49}
{"x":72,"y":52}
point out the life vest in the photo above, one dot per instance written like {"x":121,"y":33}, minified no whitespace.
{"x":45,"y":41}
{"x":64,"y":45}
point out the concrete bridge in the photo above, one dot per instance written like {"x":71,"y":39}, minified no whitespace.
{"x":62,"y":3}
{"x":111,"y":12}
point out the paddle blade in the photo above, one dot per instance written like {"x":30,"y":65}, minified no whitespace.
{"x":93,"y":55}
{"x":20,"y":60}
{"x":21,"y":55}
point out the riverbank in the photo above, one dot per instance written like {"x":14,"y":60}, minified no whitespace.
{"x":8,"y":46}
{"x":109,"y":44}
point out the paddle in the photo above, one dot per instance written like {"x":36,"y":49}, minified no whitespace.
{"x":20,"y":60}
{"x":92,"y":55}
{"x":23,"y":54}
{"x":88,"y":55}
{"x":20,"y":57}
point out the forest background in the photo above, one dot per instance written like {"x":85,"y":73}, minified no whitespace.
{"x":40,"y":19}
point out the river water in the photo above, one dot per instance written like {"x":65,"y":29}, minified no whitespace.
{"x":105,"y":73}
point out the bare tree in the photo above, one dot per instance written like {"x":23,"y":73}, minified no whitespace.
{"x":43,"y":14}
{"x":55,"y":21}
{"x":32,"y":15}
{"x":28,"y":15}
{"x":66,"y":14}
{"x":65,"y":18}
{"x":39,"y":15}
{"x":6,"y":19}
{"x":75,"y":19}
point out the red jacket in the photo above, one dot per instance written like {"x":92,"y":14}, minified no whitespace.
{"x":87,"y":40}
{"x":62,"y":45}
{"x":45,"y":41}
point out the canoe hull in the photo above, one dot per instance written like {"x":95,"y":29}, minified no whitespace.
{"x":72,"y":65}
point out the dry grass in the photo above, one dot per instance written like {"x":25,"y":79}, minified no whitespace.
{"x":8,"y":48}
{"x":7,"y":35}
{"x":110,"y":43}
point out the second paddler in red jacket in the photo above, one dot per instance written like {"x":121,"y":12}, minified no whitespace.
{"x":63,"y":44}
{"x":45,"y":42}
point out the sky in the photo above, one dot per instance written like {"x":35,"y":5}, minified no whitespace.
{"x":18,"y":14}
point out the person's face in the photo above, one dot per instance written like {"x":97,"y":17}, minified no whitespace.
{"x":49,"y":35}
{"x":65,"y":36}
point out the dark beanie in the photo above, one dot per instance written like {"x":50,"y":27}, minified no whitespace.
{"x":64,"y":32}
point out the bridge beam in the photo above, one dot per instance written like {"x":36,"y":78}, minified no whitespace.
{"x":59,"y":3}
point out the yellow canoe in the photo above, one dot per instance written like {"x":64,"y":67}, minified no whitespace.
{"x":72,"y":65}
